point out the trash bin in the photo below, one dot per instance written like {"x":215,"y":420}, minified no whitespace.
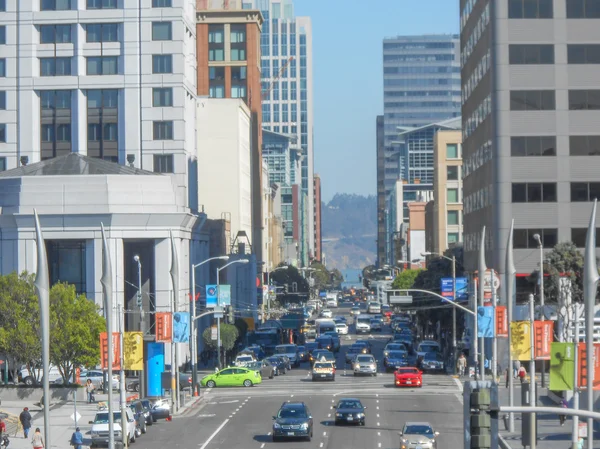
{"x":506,"y":420}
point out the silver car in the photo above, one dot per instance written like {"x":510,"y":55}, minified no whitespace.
{"x":365,"y":365}
{"x":418,"y":435}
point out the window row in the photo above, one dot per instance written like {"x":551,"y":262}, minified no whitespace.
{"x":476,"y":34}
{"x":477,"y":117}
{"x":545,"y":100}
{"x":534,"y":192}
{"x":65,"y":5}
{"x":216,"y":42}
{"x":546,"y":146}
{"x":478,"y":73}
{"x":95,"y":65}
{"x":543,"y":9}
{"x":526,"y":238}
{"x":478,"y":158}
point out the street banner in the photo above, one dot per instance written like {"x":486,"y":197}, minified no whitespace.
{"x":225,"y":295}
{"x":133,"y":351}
{"x":562,"y":361}
{"x":543,"y":337}
{"x":582,"y":371}
{"x":520,"y":340}
{"x":211,"y":296}
{"x":164,"y":327}
{"x":181,"y":327}
{"x":447,"y":289}
{"x":116,"y":346}
{"x":485,"y":322}
{"x":501,"y":321}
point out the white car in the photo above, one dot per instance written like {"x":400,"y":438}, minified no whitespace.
{"x":243,"y":360}
{"x":341,"y":328}
{"x":99,"y":432}
{"x":326,"y":313}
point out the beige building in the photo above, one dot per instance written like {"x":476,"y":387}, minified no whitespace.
{"x":447,"y":211}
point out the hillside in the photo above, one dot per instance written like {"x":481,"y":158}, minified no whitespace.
{"x":349,"y":231}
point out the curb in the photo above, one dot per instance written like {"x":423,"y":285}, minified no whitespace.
{"x":502,"y":443}
{"x":183,"y":411}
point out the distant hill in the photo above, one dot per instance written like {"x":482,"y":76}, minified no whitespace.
{"x":349,"y":231}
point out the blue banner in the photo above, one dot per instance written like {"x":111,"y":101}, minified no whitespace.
{"x":485,"y":322}
{"x":181,"y":327}
{"x":225,"y":295}
{"x":462,"y":293}
{"x":211,"y":296}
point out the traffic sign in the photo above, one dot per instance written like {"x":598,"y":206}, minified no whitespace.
{"x":461,"y":288}
{"x":213,"y":333}
{"x":401,"y":299}
{"x":76,"y":417}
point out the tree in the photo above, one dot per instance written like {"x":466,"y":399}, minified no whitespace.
{"x":336,"y":278}
{"x":75,"y":327}
{"x":288,"y":277}
{"x":565,"y":261}
{"x":405,"y":279}
{"x":229,"y":334}
{"x":321,"y":276}
{"x":19,"y":320}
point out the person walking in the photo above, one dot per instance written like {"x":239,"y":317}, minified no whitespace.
{"x":25,"y":419}
{"x":77,"y":439}
{"x":2,"y":428}
{"x":461,"y":365}
{"x":516,"y":366}
{"x":563,"y":418}
{"x":507,"y":376}
{"x":37,"y":442}
{"x":89,"y":388}
{"x":522,"y":373}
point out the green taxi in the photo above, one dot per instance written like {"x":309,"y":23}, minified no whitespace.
{"x":232,"y":377}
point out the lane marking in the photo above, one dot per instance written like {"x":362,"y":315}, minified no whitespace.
{"x":378,"y":444}
{"x":378,"y":415}
{"x":269,"y":434}
{"x":458,"y":384}
{"x":378,"y":425}
{"x":230,"y":416}
{"x":329,"y":415}
{"x":215,"y":433}
{"x":377,"y":407}
{"x":324,"y":434}
{"x":262,"y":445}
{"x":321,"y":445}
{"x":292,"y":395}
{"x":378,"y":434}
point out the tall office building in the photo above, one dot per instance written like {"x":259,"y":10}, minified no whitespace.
{"x":531,"y":143}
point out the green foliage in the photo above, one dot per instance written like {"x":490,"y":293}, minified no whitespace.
{"x":229,"y":334}
{"x":406,"y":279}
{"x":75,"y":327}
{"x":289,"y":276}
{"x":336,"y":279}
{"x":565,"y":260}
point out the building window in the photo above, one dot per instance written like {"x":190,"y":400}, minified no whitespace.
{"x":102,"y":32}
{"x":163,"y":163}
{"x":3,"y":8}
{"x":55,"y":5}
{"x":55,"y":66}
{"x":238,"y":42}
{"x":451,"y":151}
{"x":162,"y":3}
{"x":452,"y":238}
{"x":530,"y":9}
{"x":55,"y":122}
{"x":524,"y":238}
{"x":2,"y":67}
{"x":3,"y":132}
{"x":584,"y":191}
{"x":584,"y":99}
{"x":162,"y":31}
{"x":238,"y":82}
{"x":452,"y":217}
{"x":452,"y":195}
{"x":533,"y":146}
{"x":216,"y":82}
{"x":533,"y":192}
{"x":583,"y":9}
{"x":532,"y":100}
{"x":162,"y":97}
{"x":579,"y":235}
{"x":102,"y":65}
{"x":452,"y":173}
{"x":102,"y":124}
{"x":163,"y":130}
{"x":584,"y":145}
{"x":67,"y":263}
{"x":2,"y":159}
{"x":2,"y":100}
{"x":2,"y":34}
{"x":216,"y":42}
{"x":101,"y":4}
{"x":55,"y":34}
{"x":531,"y":54}
{"x":162,"y":63}
{"x":583,"y":54}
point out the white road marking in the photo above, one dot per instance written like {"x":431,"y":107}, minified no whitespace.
{"x":321,"y":445}
{"x":377,"y":407}
{"x":378,"y":434}
{"x":378,"y":424}
{"x":204,"y":416}
{"x":378,"y":444}
{"x":262,"y":445}
{"x":378,"y":415}
{"x":378,"y":401}
{"x":207,"y":442}
{"x":230,"y":416}
{"x":292,"y":395}
{"x":458,"y":384}
{"x":377,"y":395}
{"x":329,"y":415}
{"x":324,"y":434}
{"x":269,"y":434}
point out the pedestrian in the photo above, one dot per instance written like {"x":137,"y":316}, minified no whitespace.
{"x":36,"y":440}
{"x":461,"y":365}
{"x":89,"y":388}
{"x":563,"y":418}
{"x":507,"y":376}
{"x":25,"y":419}
{"x":516,"y":366}
{"x":580,"y":443}
{"x":522,"y":373}
{"x":2,"y":428}
{"x":77,"y":439}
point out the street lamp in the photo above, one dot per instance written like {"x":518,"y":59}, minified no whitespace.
{"x":139,"y":302}
{"x":218,"y":304}
{"x":193,"y":329}
{"x":453,"y":260}
{"x":538,"y":239}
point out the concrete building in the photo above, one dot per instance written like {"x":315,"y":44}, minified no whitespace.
{"x":416,"y":234}
{"x":447,"y":219}
{"x":317,"y":214}
{"x":530,"y":134}
{"x":224,"y":162}
{"x":228,"y":54}
{"x":381,"y":192}
{"x":280,"y":151}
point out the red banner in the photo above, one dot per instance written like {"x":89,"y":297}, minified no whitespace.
{"x":543,"y":333}
{"x":501,"y":321}
{"x":116,"y":342}
{"x":582,"y":372}
{"x":164,"y":327}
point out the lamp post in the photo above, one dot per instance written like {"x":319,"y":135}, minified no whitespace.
{"x":218,"y":304}
{"x":453,"y":260}
{"x":538,"y":238}
{"x":193,"y":329}
{"x":139,"y":302}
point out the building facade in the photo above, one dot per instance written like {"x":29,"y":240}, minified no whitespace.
{"x":447,"y":212}
{"x":530,"y":134}
{"x":381,"y":195}
{"x":317,"y":214}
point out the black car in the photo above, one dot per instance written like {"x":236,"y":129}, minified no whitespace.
{"x":279,"y":364}
{"x":148,"y":408}
{"x":161,"y":407}
{"x":395,"y":359}
{"x":349,"y":411}
{"x":432,"y":361}
{"x":293,"y":420}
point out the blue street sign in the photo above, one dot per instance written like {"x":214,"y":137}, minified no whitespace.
{"x":211,"y":296}
{"x":462,"y":293}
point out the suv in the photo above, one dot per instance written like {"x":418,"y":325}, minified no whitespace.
{"x":365,"y":364}
{"x":291,"y":351}
{"x":293,"y":420}
{"x":335,"y":341}
{"x":99,"y":432}
{"x":363,"y":324}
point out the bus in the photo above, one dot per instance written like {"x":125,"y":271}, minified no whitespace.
{"x":324,"y":325}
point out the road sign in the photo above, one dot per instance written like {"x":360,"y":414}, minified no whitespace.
{"x":461,"y":288}
{"x":76,"y":417}
{"x":213,"y":333}
{"x":401,"y":299}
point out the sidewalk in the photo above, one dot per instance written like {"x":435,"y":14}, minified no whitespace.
{"x":550,"y":433}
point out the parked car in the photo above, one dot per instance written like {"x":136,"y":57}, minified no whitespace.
{"x":139,"y":413}
{"x":99,"y":432}
{"x":160,"y":407}
{"x":148,"y":408}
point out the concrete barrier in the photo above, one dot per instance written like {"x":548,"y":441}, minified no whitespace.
{"x":35,"y":394}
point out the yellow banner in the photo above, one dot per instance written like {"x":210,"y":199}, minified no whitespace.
{"x":520,"y":342}
{"x":133,"y":351}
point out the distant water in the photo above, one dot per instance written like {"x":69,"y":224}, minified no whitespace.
{"x":351,"y":278}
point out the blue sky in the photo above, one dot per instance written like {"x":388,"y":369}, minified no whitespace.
{"x":348,"y":79}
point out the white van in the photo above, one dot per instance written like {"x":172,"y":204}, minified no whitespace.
{"x":99,"y":432}
{"x":35,"y":375}
{"x":374,"y":307}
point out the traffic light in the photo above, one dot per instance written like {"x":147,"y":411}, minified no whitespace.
{"x":230,"y":317}
{"x":481,"y":414}
{"x":285,"y":289}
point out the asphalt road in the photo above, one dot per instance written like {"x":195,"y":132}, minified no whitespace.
{"x":241,"y":418}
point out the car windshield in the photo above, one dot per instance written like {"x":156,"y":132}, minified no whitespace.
{"x":102,"y":418}
{"x":289,"y":412}
{"x":254,"y":365}
{"x":429,"y":348}
{"x":301,"y":349}
{"x":323,"y":365}
{"x":365,"y":319}
{"x":433,"y":356}
{"x":418,"y":430}
{"x":350,"y":404}
{"x":244,"y":358}
{"x":274,"y":360}
{"x":408,"y":371}
{"x":310,"y":346}
{"x":395,"y":347}
{"x":397,"y":354}
{"x":287,"y":349}
{"x":364,"y":358}
{"x":354,"y":350}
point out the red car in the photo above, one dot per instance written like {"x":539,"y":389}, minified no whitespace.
{"x":408,"y":377}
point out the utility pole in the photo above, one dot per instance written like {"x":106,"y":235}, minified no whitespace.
{"x":532,"y":383}
{"x":542,"y":299}
{"x":510,"y":286}
{"x":575,"y":433}
{"x":494,"y":329}
{"x":454,"y":312}
{"x":140,"y":303}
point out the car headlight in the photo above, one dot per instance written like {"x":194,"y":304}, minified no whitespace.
{"x":360,"y":415}
{"x":304,"y":426}
{"x":385,"y":353}
{"x":338,"y":415}
{"x":372,"y":366}
{"x":276,"y":426}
